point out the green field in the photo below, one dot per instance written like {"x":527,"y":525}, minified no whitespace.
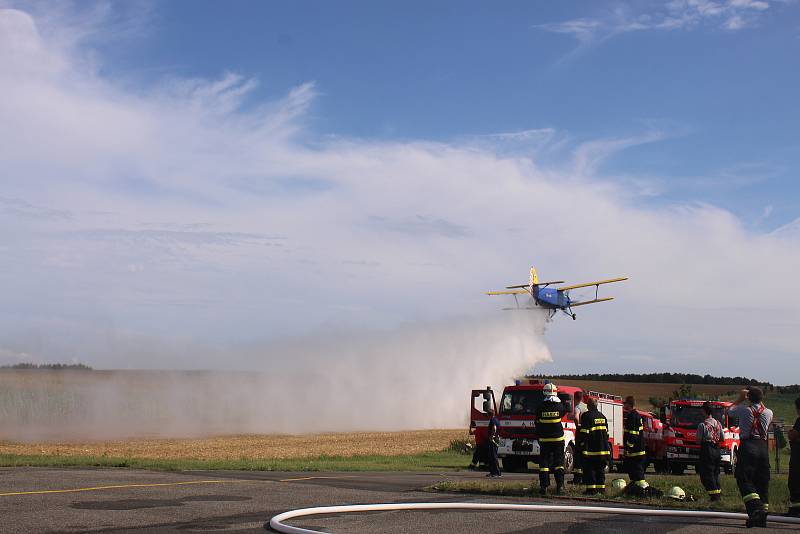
{"x":731,"y":501}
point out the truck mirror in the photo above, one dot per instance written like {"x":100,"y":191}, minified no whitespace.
{"x":486,"y":406}
{"x":487,"y":396}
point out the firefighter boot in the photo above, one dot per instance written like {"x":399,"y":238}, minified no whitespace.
{"x":756,"y":515}
{"x":715,"y":497}
{"x":650,"y":491}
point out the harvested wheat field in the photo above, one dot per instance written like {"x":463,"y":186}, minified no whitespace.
{"x":256,"y":447}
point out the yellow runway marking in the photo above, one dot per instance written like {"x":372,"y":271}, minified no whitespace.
{"x":314,"y":478}
{"x":120,"y":486}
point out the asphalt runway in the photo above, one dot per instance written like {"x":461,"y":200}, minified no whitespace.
{"x":122,"y":500}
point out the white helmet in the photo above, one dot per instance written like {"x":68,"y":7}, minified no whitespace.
{"x":619,"y":483}
{"x":677,"y":493}
{"x":550,"y":389}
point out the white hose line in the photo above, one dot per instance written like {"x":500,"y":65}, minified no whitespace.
{"x":276,"y":522}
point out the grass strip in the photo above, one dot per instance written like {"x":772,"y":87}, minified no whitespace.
{"x":430,"y":461}
{"x":731,"y":501}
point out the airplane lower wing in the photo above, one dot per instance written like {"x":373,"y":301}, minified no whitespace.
{"x":573,"y":304}
{"x":590,"y":284}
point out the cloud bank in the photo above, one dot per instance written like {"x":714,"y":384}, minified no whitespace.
{"x":139,"y":223}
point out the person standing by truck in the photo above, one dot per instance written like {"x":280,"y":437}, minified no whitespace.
{"x":550,"y":432}
{"x":635,"y":454}
{"x":494,"y":442}
{"x":794,"y":465}
{"x":577,"y":414}
{"x":709,"y":434}
{"x":593,"y":438}
{"x":752,"y":467}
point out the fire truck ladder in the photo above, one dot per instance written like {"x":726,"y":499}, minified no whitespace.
{"x":604,"y":396}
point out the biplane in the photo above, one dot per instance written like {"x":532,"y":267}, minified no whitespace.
{"x":554,"y":298}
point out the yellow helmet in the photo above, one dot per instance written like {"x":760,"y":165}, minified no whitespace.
{"x":549,"y":389}
{"x":619,"y":483}
{"x":677,"y":493}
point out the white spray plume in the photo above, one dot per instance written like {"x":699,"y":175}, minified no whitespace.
{"x":413,"y":378}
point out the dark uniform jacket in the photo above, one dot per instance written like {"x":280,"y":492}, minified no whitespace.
{"x":548,"y":421}
{"x":593,"y":436}
{"x":634,"y":435}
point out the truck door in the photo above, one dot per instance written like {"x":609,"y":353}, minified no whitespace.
{"x":481,"y":401}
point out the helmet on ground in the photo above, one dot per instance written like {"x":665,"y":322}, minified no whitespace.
{"x":618,"y":483}
{"x":677,"y":493}
{"x":550,"y":389}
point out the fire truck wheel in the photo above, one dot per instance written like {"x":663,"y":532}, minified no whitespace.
{"x":514,"y":465}
{"x":731,"y":467}
{"x":569,"y":459}
{"x":676,"y":469}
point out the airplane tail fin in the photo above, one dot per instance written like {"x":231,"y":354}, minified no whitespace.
{"x":534,"y":277}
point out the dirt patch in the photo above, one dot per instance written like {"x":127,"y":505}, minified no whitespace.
{"x":264,"y":447}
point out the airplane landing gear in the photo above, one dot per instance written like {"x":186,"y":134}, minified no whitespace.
{"x":574,"y":316}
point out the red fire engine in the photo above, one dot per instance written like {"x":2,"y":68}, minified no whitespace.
{"x":680,"y":434}
{"x":516,"y":415}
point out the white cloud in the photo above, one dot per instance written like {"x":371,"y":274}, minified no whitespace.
{"x":686,"y":15}
{"x":193,"y":216}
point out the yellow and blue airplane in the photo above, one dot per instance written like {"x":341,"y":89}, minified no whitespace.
{"x":554,"y":298}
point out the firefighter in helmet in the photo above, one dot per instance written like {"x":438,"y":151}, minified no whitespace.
{"x":550,"y":432}
{"x":709,"y":434}
{"x":635,"y":460}
{"x":593,"y":439}
{"x":577,"y":415}
{"x":752,"y":466}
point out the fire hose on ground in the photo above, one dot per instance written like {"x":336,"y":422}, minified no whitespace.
{"x":276,"y":523}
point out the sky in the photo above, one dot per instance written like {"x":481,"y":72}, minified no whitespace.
{"x":183,"y":180}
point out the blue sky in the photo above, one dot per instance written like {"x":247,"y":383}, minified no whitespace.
{"x":185,"y":175}
{"x":725,"y":99}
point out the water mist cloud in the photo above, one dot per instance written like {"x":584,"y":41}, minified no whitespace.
{"x":411,"y":378}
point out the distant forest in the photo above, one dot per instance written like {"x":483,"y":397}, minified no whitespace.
{"x":664,"y":378}
{"x":49,"y":366}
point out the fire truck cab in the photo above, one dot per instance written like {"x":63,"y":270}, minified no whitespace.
{"x":516,"y":414}
{"x":680,"y":434}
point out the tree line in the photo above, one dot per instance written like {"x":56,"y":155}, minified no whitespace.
{"x":49,"y":366}
{"x":663,"y":378}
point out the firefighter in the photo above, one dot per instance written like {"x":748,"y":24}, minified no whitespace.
{"x":551,"y":439}
{"x":635,"y":460}
{"x":794,"y":465}
{"x":593,"y":438}
{"x":494,"y":442}
{"x":752,"y":467}
{"x":577,"y":413}
{"x":709,"y":434}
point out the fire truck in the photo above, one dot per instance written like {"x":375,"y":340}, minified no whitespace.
{"x":655,"y":446}
{"x":517,"y":417}
{"x":680,"y":434}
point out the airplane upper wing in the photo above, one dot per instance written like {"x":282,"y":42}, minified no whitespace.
{"x":538,"y":284}
{"x":513,"y":292}
{"x":589,"y":284}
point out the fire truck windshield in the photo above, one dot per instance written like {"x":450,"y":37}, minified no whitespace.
{"x":526,"y":401}
{"x":690,"y":416}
